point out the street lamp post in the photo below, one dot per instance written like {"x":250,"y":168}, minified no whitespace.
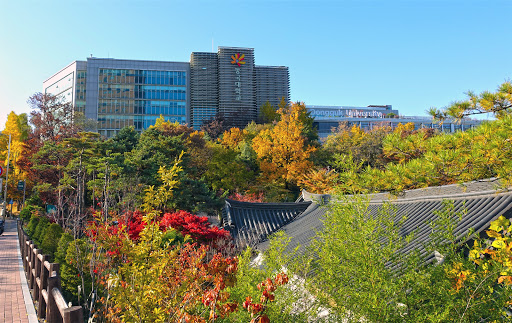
{"x":7,"y":176}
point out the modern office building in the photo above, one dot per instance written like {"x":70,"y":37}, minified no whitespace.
{"x":329,"y":117}
{"x":119,"y":93}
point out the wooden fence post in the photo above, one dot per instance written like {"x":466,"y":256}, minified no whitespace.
{"x":41,"y":305}
{"x":74,"y":314}
{"x":31,"y":278}
{"x":37,"y":273}
{"x":21,"y":241}
{"x":52,"y":311}
{"x":27,"y":255}
{"x":33,"y":283}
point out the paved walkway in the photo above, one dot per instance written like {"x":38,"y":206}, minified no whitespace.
{"x":15,"y":300}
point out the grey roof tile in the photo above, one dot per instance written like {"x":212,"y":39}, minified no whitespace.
{"x":251,"y":223}
{"x":481,"y":207}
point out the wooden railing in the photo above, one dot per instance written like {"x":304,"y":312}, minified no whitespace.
{"x":44,"y":281}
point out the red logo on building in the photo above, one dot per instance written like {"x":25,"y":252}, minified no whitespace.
{"x":238,"y":59}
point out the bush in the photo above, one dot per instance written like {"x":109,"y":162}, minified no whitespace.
{"x":351,"y":265}
{"x":355,"y":280}
{"x":291,"y":303}
{"x":50,"y":239}
{"x":68,"y":287}
{"x":62,"y":247}
{"x":32,"y":224}
{"x":39,"y":231}
{"x":28,"y":211}
{"x":75,"y":271}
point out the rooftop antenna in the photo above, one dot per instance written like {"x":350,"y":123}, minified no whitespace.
{"x":212,"y":43}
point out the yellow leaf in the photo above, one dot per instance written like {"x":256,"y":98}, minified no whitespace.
{"x":499,"y":224}
{"x":493,"y":234}
{"x":474,"y":254}
{"x":498,"y":244}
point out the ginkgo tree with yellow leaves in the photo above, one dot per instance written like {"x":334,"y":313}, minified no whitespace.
{"x":283,"y":151}
{"x":16,"y":129}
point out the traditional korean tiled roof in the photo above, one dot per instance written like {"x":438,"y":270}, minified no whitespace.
{"x":482,"y":202}
{"x":251,"y":223}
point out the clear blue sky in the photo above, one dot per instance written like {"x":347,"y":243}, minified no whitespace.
{"x":411,"y":54}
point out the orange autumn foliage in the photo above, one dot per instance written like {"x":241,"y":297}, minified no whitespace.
{"x":232,"y":137}
{"x":282,"y":151}
{"x":319,"y":181}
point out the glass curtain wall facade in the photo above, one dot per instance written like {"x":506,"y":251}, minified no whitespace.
{"x":123,"y":93}
{"x":138,"y":97}
{"x":81,"y":77}
{"x":69,"y":84}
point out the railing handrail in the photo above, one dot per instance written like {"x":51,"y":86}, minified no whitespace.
{"x":44,"y":280}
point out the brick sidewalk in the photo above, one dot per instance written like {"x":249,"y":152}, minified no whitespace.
{"x":15,"y":301}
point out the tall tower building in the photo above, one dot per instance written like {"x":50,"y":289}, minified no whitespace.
{"x":273,"y":84}
{"x":204,"y":87}
{"x":237,"y":86}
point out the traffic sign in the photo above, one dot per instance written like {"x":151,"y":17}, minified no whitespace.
{"x":21,"y":185}
{"x":1,"y":170}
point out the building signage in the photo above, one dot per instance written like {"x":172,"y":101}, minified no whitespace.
{"x":332,"y":113}
{"x":238,"y":85}
{"x":365,"y":114}
{"x":238,"y":60}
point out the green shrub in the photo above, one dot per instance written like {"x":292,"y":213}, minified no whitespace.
{"x":32,"y":224}
{"x":41,"y":226}
{"x":50,"y":239}
{"x":277,"y":258}
{"x":28,"y":211}
{"x":68,"y":273}
{"x":75,"y":271}
{"x":62,"y":247}
{"x":354,"y":279}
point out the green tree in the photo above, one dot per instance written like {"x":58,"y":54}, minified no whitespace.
{"x":496,"y":103}
{"x":226,"y":171}
{"x":68,"y":287}
{"x":153,"y":150}
{"x":76,"y":275}
{"x":194,"y":196}
{"x":83,"y":150}
{"x":364,"y":147}
{"x":47,"y":169}
{"x":268,"y":113}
